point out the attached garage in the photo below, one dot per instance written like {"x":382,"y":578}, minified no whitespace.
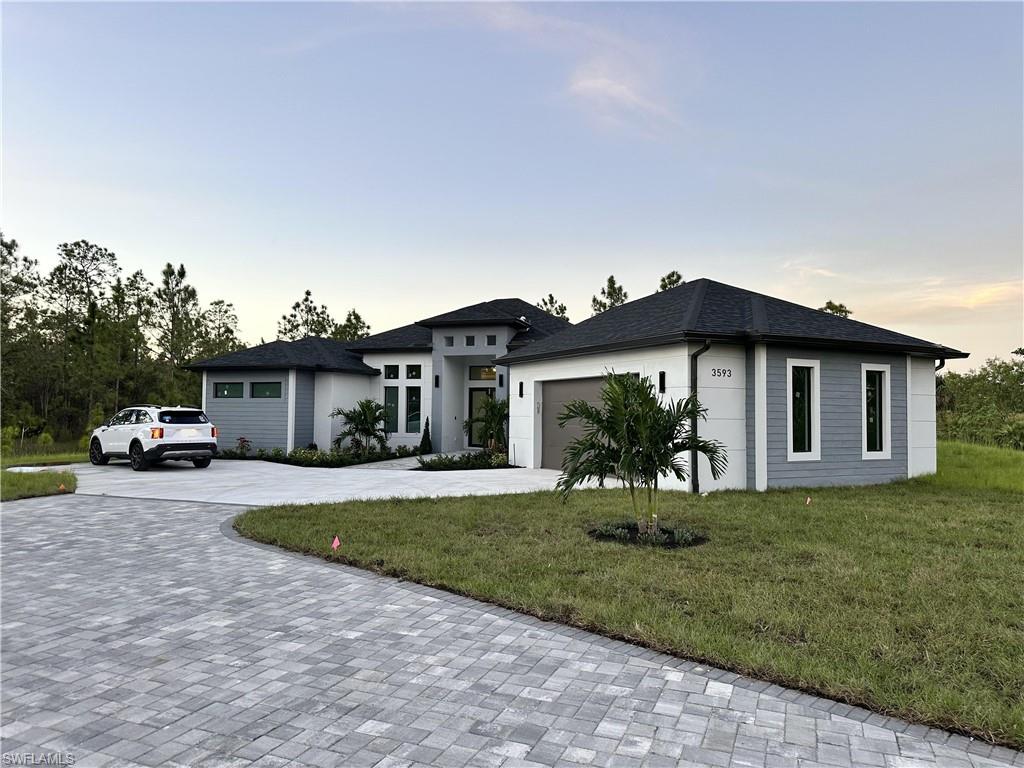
{"x":554,"y":439}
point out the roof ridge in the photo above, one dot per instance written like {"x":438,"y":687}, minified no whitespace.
{"x":696,"y":304}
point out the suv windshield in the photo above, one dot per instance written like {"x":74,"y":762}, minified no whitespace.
{"x":183,"y":417}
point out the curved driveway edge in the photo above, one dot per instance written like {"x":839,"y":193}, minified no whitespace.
{"x":136,"y":633}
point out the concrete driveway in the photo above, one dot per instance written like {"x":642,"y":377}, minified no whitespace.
{"x":141,"y":633}
{"x":263,"y":482}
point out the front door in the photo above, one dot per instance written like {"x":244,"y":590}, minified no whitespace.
{"x":477,"y":395}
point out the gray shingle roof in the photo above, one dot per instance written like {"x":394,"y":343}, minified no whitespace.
{"x":311,"y":353}
{"x":706,"y":309}
{"x":410,"y":338}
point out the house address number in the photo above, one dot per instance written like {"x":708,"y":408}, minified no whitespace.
{"x":722,"y":372}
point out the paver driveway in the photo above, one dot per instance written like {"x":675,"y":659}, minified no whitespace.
{"x":137,"y":632}
{"x":264,"y":482}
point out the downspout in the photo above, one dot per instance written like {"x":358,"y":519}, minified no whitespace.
{"x":941,"y":365}
{"x":694,"y":474}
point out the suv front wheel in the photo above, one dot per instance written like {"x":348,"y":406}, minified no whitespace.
{"x":138,"y":457}
{"x":96,"y":454}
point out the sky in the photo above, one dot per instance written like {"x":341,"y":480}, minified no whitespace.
{"x":409,"y":159}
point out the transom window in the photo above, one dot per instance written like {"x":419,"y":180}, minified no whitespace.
{"x":390,"y":371}
{"x":413,"y":371}
{"x":803,"y":410}
{"x":260,"y":389}
{"x":876,"y":424}
{"x":227,"y":389}
{"x":482,"y":373}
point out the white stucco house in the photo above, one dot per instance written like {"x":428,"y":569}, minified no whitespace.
{"x":799,"y":397}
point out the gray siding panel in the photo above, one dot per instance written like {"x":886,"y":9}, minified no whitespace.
{"x":264,"y":421}
{"x":304,"y":392}
{"x":749,"y":414}
{"x":841,"y":461}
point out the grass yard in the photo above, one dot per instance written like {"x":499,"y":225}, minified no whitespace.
{"x":24,"y":485}
{"x":905,"y":598}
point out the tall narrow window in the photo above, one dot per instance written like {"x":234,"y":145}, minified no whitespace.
{"x":412,"y":409}
{"x":873,"y":410}
{"x":801,"y":409}
{"x":390,"y":409}
{"x":876,"y":400}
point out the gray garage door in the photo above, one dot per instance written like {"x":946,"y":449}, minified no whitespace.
{"x":556,"y":395}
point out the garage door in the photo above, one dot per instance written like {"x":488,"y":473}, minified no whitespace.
{"x":556,"y":395}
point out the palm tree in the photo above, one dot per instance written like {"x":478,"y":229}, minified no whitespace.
{"x":492,"y":416}
{"x":635,"y":438}
{"x":365,"y":423}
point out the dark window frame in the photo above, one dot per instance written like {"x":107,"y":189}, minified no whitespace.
{"x":417,"y":367}
{"x":409,"y":425}
{"x":492,"y":340}
{"x":801,"y":395}
{"x":874,"y":406}
{"x":239,"y":384}
{"x":471,"y":340}
{"x":391,"y":427}
{"x":254,"y":384}
{"x":391,"y":372}
{"x":491,"y":368}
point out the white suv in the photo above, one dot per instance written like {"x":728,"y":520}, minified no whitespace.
{"x":150,"y":434}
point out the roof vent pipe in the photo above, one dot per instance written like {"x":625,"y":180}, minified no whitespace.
{"x":694,"y":474}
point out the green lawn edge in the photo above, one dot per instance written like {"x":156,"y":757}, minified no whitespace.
{"x":27,"y":485}
{"x":928,"y":562}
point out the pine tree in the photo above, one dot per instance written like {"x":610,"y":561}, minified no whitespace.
{"x":425,"y":443}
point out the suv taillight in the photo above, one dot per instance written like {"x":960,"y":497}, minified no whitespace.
{"x":213,"y":431}
{"x":156,"y":433}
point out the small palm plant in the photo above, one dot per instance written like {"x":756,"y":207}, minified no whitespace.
{"x":492,"y":418}
{"x":364,"y":425}
{"x":636,"y":439}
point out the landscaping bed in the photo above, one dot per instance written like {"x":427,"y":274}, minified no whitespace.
{"x":902,"y":598}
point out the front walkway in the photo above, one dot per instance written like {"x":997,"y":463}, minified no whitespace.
{"x":143,"y":633}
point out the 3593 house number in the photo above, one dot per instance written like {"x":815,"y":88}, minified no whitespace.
{"x":722,"y":372}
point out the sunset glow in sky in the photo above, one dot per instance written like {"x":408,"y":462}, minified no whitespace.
{"x":409,"y":159}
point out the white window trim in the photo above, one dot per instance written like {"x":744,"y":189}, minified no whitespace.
{"x":886,"y":452}
{"x":815,"y":453}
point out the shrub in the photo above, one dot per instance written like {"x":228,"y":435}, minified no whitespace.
{"x":243,"y":446}
{"x":628,"y":532}
{"x":479,"y":460}
{"x":1011,"y":435}
{"x":425,"y":443}
{"x":7,"y":437}
{"x":404,"y":451}
{"x":45,"y":440}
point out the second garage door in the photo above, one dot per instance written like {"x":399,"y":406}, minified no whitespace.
{"x":556,"y":395}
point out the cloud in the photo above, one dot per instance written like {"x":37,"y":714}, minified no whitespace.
{"x":615,"y":79}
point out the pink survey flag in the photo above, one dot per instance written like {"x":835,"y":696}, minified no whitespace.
{"x":336,"y":543}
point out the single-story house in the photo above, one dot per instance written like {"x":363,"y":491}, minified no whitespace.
{"x":799,"y":397}
{"x":281,"y":394}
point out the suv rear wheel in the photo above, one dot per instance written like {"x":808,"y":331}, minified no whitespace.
{"x":137,"y":457}
{"x":96,"y":454}
{"x":201,"y":463}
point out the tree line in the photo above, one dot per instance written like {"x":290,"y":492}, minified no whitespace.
{"x":84,"y":340}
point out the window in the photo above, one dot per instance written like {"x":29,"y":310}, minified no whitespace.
{"x":390,"y":409}
{"x":182,"y":417}
{"x":260,"y":389}
{"x":501,"y":379}
{"x":471,"y":341}
{"x":876,"y":427}
{"x":123,"y":417}
{"x":481,"y":373}
{"x":803,"y":410}
{"x":449,"y":341}
{"x":413,"y":371}
{"x":492,"y":340}
{"x":232,"y":389}
{"x":141,"y":417}
{"x":437,"y":381}
{"x":390,"y":371}
{"x":661,"y":382}
{"x":412,"y":409}
{"x":520,"y":389}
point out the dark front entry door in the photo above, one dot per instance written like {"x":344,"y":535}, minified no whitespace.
{"x":476,"y":397}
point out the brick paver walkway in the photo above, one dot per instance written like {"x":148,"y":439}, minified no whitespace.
{"x":137,"y":632}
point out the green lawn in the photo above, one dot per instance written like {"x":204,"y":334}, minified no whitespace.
{"x":22,"y":485}
{"x":906,"y":598}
